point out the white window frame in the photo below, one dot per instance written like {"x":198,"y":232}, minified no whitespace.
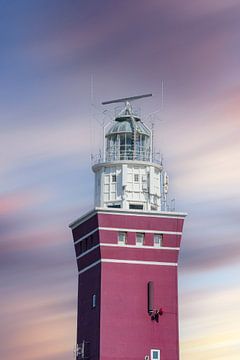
{"x":159,"y":244}
{"x":122,"y":234}
{"x":114,"y":178}
{"x":141,"y":243}
{"x":159,"y":354}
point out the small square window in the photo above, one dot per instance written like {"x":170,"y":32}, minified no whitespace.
{"x":157,"y":240}
{"x":136,"y":178}
{"x":114,"y":178}
{"x":122,"y":237}
{"x":139,"y":239}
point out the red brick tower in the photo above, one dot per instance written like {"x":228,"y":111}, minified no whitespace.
{"x":127,"y":253}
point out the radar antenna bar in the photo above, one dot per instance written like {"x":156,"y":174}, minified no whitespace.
{"x":132,"y":98}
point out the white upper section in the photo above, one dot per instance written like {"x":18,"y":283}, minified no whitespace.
{"x":127,"y":177}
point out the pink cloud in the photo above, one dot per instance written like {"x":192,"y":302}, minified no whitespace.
{"x":37,"y":324}
{"x":13,"y":203}
{"x":231,"y":105}
{"x":209,"y":329}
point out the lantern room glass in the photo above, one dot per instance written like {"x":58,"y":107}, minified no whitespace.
{"x":127,"y":142}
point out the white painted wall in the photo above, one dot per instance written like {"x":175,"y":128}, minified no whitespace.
{"x":126,"y":183}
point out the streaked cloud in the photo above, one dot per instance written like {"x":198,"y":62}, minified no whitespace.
{"x":12,"y":203}
{"x":37,"y":324}
{"x":48,"y":52}
{"x":214,"y":331}
{"x":43,"y":142}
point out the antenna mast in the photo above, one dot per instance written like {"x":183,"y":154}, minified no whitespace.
{"x":126,"y":100}
{"x":162,"y":93}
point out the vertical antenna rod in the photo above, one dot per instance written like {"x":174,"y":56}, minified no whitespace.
{"x":162,"y":93}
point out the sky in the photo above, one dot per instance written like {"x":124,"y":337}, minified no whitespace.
{"x":57,"y":58}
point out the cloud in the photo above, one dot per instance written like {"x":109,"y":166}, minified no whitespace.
{"x":205,"y":163}
{"x":37,"y":324}
{"x":177,"y":42}
{"x":208,"y":324}
{"x":34,"y":143}
{"x":47,"y":54}
{"x":210,"y":255}
{"x":14,"y":202}
{"x":207,"y":7}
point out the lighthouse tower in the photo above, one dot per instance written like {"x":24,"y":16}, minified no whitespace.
{"x":127,"y":251}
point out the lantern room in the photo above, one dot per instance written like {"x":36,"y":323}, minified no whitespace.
{"x":128,"y":138}
{"x":128,"y":176}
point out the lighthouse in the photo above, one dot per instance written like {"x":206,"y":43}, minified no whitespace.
{"x":127,"y":250}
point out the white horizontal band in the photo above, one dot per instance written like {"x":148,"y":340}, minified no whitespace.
{"x":128,"y":212}
{"x":128,"y":230}
{"x":89,"y":267}
{"x":85,"y":236}
{"x":138,"y":262}
{"x":144,"y":213}
{"x":134,"y":262}
{"x":88,"y":251}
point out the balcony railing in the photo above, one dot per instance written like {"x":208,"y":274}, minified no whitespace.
{"x":125,"y":154}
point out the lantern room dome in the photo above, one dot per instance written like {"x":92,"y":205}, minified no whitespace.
{"x":128,"y":138}
{"x":128,"y":124}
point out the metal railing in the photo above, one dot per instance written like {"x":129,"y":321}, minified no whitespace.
{"x":115,"y":155}
{"x":124,"y":153}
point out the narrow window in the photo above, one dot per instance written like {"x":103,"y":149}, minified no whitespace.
{"x":122,"y":237}
{"x":136,"y":206}
{"x":139,"y":239}
{"x":90,"y":241}
{"x":155,"y":354}
{"x":136,"y":178}
{"x":157,"y":240}
{"x":144,"y":183}
{"x":80,"y":248}
{"x":114,"y":178}
{"x":94,"y":301}
{"x":84,"y":245}
{"x":117,"y":206}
